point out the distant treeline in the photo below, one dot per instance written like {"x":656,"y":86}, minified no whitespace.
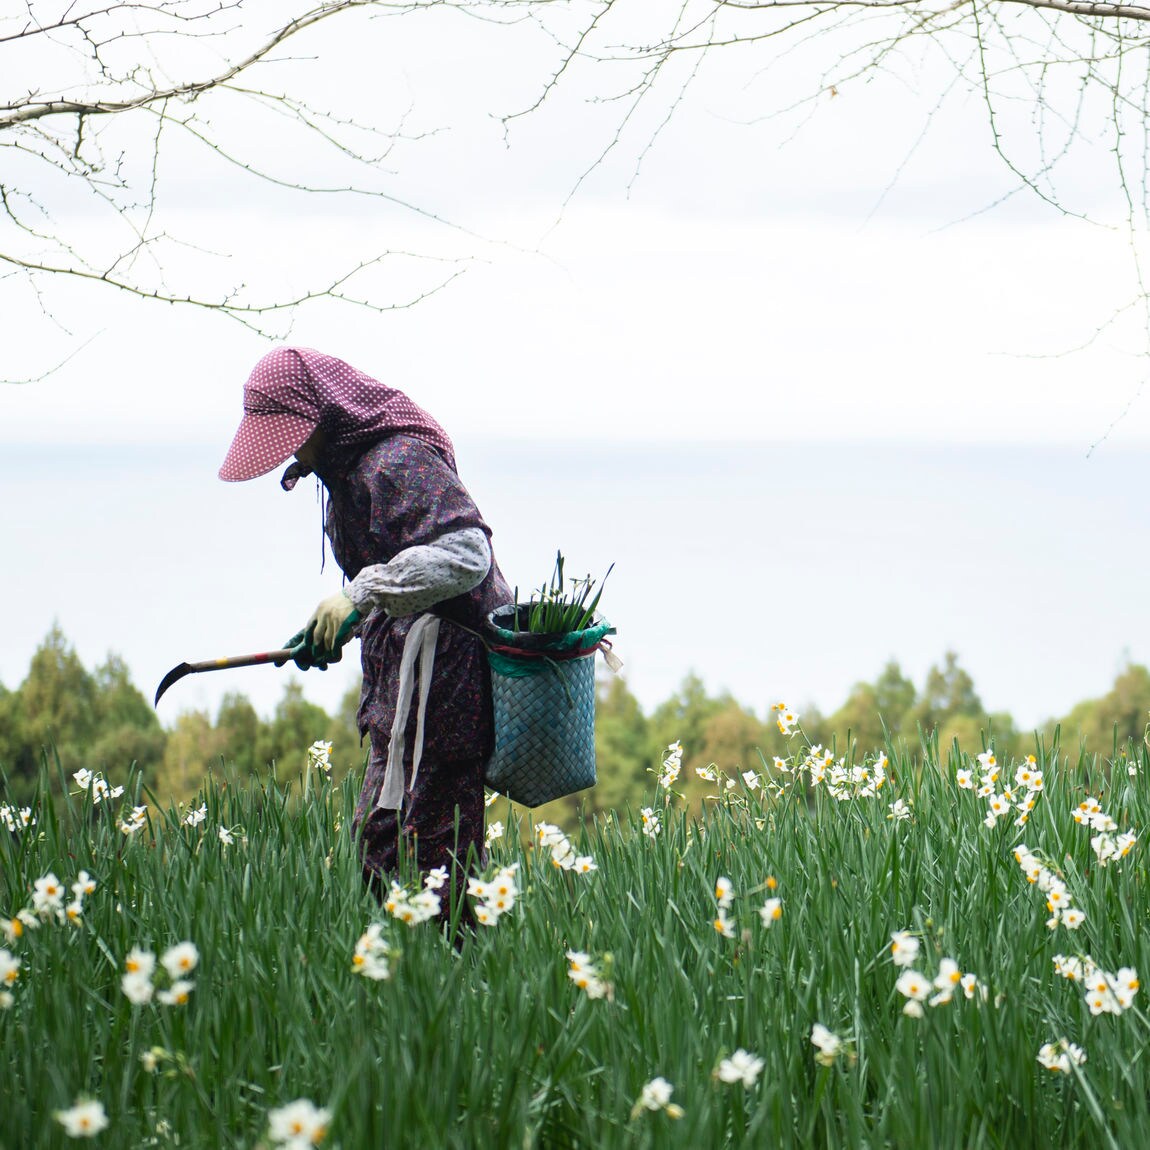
{"x":99,"y":720}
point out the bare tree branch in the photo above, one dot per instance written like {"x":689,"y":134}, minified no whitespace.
{"x":91,"y":133}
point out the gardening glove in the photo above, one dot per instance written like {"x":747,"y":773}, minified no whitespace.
{"x":301,"y":653}
{"x":331,"y":626}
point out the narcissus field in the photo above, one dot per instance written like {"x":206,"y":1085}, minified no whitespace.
{"x":914,"y":948}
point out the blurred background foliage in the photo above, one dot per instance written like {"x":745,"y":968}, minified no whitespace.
{"x":98,"y":719}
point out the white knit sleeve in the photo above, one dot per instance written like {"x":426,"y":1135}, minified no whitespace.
{"x":418,"y":577}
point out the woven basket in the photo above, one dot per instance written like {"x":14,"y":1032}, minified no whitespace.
{"x":543,"y":696}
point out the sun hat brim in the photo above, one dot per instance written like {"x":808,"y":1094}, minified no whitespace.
{"x":263,"y":442}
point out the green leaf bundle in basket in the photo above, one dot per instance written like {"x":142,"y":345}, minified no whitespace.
{"x":542,"y":658}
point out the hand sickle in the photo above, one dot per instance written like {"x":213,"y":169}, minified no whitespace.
{"x":176,"y":673}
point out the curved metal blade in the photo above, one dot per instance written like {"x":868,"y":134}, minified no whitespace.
{"x":173,"y":676}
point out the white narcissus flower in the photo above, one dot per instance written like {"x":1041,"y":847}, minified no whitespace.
{"x":771,"y":911}
{"x":84,"y":1120}
{"x":180,"y":959}
{"x":319,"y":755}
{"x":585,"y":864}
{"x":563,"y":855}
{"x":85,"y":884}
{"x":723,"y":892}
{"x":751,"y":779}
{"x":1061,"y":1056}
{"x":494,"y":831}
{"x":1124,"y":986}
{"x":915,"y":988}
{"x":899,"y":811}
{"x":137,"y":988}
{"x":373,"y":966}
{"x":656,"y":1095}
{"x":226,"y":837}
{"x":47,"y":894}
{"x":436,"y":879}
{"x":948,"y":975}
{"x":142,"y":962}
{"x":9,"y":967}
{"x":101,"y":790}
{"x":971,"y":986}
{"x":83,"y":778}
{"x":742,"y":1067}
{"x":371,"y":955}
{"x":176,"y":994}
{"x":428,"y":903}
{"x":829,"y":1044}
{"x":672,"y":765}
{"x":136,"y":821}
{"x":197,"y":816}
{"x":585,"y":974}
{"x":650,"y":822}
{"x":503,"y":885}
{"x":1073,"y":918}
{"x":497,"y":895}
{"x":549,"y":834}
{"x":903,"y":948}
{"x":948,"y":979}
{"x":786,"y":720}
{"x":298,"y":1124}
{"x":723,"y":925}
{"x":485,"y":915}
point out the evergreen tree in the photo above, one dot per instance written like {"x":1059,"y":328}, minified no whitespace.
{"x":127,"y":729}
{"x":1106,"y":723}
{"x":890,"y":699}
{"x":55,"y":711}
{"x":624,"y":748}
{"x":239,"y":729}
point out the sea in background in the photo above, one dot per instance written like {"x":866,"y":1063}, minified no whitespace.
{"x":772,"y":570}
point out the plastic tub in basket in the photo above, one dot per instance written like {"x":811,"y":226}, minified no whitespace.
{"x":543,"y":696}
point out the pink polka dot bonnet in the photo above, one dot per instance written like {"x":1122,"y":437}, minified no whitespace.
{"x":293,"y":390}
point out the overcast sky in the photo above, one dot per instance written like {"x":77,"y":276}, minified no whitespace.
{"x":833,"y":287}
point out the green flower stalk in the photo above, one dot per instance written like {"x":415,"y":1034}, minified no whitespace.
{"x":560,"y":610}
